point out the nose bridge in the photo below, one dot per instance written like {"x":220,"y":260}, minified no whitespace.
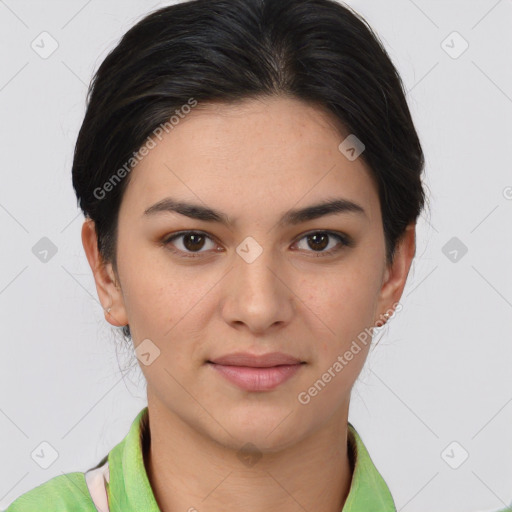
{"x":257,"y":267}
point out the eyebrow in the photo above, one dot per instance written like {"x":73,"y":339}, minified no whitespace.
{"x":291,"y":217}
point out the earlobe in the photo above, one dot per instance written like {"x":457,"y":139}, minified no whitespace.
{"x":109,"y":290}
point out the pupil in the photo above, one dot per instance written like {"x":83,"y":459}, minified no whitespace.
{"x":316,"y":244}
{"x":194,"y":245}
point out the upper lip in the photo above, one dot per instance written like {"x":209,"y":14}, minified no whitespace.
{"x":254,"y":360}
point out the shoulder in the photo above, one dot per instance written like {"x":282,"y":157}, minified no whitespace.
{"x":63,"y":493}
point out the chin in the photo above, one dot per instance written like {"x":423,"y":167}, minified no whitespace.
{"x":269,"y":430}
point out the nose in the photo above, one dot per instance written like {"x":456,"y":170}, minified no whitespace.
{"x":258,"y":294}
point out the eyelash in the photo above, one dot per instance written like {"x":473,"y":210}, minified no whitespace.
{"x":343,"y":239}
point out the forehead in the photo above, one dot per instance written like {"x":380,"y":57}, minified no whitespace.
{"x":234,"y":157}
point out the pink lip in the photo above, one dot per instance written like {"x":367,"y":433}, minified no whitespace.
{"x":256,"y":372}
{"x":254,"y":360}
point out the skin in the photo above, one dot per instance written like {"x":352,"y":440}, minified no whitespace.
{"x":254,"y":161}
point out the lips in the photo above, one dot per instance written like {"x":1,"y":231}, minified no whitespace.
{"x":252,"y":372}
{"x":256,"y":361}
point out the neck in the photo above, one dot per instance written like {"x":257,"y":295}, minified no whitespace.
{"x":189,"y":471}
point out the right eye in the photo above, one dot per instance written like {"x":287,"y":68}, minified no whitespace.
{"x":190,"y":241}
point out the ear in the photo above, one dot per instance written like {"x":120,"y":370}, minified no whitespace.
{"x":395,"y":275}
{"x":107,"y":286}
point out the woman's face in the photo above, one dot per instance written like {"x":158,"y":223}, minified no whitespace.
{"x":256,"y":285}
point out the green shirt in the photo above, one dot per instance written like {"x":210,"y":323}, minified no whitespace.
{"x":129,"y":490}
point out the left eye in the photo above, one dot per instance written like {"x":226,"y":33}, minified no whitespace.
{"x":319,"y":240}
{"x":193,"y":241}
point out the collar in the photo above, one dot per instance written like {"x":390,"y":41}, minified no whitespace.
{"x":129,"y":489}
{"x":368,"y":490}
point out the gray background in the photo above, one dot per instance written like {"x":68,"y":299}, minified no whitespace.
{"x":442,"y":369}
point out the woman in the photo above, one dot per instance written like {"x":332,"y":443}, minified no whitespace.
{"x":251,"y":180}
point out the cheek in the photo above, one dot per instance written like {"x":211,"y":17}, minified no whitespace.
{"x":161,"y":298}
{"x":150,"y":295}
{"x":340,"y":306}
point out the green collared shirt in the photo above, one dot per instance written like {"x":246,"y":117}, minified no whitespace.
{"x":129,"y":490}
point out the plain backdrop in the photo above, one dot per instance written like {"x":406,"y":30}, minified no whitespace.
{"x":438,"y":387}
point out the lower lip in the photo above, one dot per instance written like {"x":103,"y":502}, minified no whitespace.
{"x":257,"y":379}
